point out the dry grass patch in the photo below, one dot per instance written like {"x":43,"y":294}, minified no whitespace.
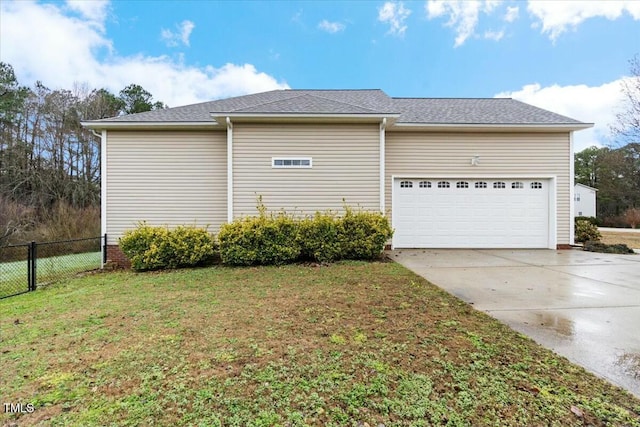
{"x":296,"y":345}
{"x":613,"y":237}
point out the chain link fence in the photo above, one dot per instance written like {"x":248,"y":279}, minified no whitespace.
{"x":15,"y":270}
{"x":24,"y":267}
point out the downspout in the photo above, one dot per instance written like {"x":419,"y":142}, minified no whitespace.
{"x":103,"y":190}
{"x":383,"y":126}
{"x":229,"y":170}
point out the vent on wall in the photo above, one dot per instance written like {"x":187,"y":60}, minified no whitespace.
{"x":291,"y":162}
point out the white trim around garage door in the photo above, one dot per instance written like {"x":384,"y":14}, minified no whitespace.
{"x":552,"y":196}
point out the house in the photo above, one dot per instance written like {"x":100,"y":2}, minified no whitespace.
{"x":584,"y":200}
{"x":450,"y":173}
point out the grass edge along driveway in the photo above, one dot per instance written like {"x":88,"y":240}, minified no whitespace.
{"x":296,"y":345}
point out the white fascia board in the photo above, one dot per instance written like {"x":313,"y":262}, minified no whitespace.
{"x":469,"y":127}
{"x":304,"y":116}
{"x":99,"y":125}
{"x":585,"y":186}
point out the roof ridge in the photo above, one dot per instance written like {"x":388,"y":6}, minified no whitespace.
{"x":439,"y":97}
{"x":544,"y":109}
{"x":300,"y":95}
{"x":332,"y":90}
{"x":344,"y":103}
{"x":263,"y":103}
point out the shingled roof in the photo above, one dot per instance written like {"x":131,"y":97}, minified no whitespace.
{"x":425,"y":111}
{"x":474,"y":111}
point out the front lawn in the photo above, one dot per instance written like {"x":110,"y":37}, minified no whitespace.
{"x":346,"y":344}
{"x":613,"y":237}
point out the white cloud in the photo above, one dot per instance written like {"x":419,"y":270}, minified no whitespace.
{"x":394,"y":13}
{"x":512,"y":13}
{"x":95,"y":10}
{"x":331,"y":27}
{"x":552,"y":17}
{"x":180,"y":36}
{"x":463,"y":15}
{"x":494,"y":35}
{"x":70,"y":49}
{"x":297,"y":17}
{"x":591,"y":104}
{"x":559,"y":16}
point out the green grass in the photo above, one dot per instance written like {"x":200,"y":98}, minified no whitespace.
{"x":338,"y":345}
{"x":13,"y":275}
{"x":614,"y":237}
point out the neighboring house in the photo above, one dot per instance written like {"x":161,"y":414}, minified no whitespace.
{"x":450,"y":173}
{"x":584,"y":200}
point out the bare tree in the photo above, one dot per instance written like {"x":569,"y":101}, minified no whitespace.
{"x":14,"y":218}
{"x":48,"y":161}
{"x":626,"y":128}
{"x":632,"y":217}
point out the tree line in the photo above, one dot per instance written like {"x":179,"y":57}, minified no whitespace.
{"x":46,"y":157}
{"x":615,"y":172}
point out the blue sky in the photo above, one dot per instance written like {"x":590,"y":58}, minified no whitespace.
{"x":569,"y":57}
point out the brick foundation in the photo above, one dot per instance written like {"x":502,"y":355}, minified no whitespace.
{"x":116,"y":258}
{"x":564,"y":246}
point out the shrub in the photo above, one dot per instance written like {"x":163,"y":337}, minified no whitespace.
{"x":619,"y":248}
{"x":280,"y":239}
{"x":319,"y":237}
{"x":632,"y":217}
{"x":585,"y":231}
{"x":152,"y":248}
{"x":265,"y":239}
{"x":591,"y":219}
{"x":191,"y":246}
{"x":362,"y":235}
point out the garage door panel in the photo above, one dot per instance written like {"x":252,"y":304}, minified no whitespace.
{"x":509,"y":214}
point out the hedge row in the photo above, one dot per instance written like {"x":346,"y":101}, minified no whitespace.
{"x":266,"y":239}
{"x":280,"y":238}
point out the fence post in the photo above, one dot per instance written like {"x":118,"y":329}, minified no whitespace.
{"x":29,"y":262}
{"x":104,"y":251}
{"x":31,"y":265}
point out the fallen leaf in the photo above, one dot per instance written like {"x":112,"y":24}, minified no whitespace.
{"x":577,"y":411}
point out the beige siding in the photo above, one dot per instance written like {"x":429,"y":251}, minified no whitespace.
{"x":345,"y":165}
{"x":165,"y":177}
{"x":415,"y":154}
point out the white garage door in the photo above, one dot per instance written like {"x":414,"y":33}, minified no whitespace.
{"x":471,"y":213}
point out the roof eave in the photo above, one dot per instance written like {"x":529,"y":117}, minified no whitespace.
{"x":492,"y":127}
{"x":106,"y":125}
{"x":586,"y":186}
{"x":305,"y":117}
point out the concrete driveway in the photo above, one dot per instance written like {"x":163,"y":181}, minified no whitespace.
{"x":584,"y":306}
